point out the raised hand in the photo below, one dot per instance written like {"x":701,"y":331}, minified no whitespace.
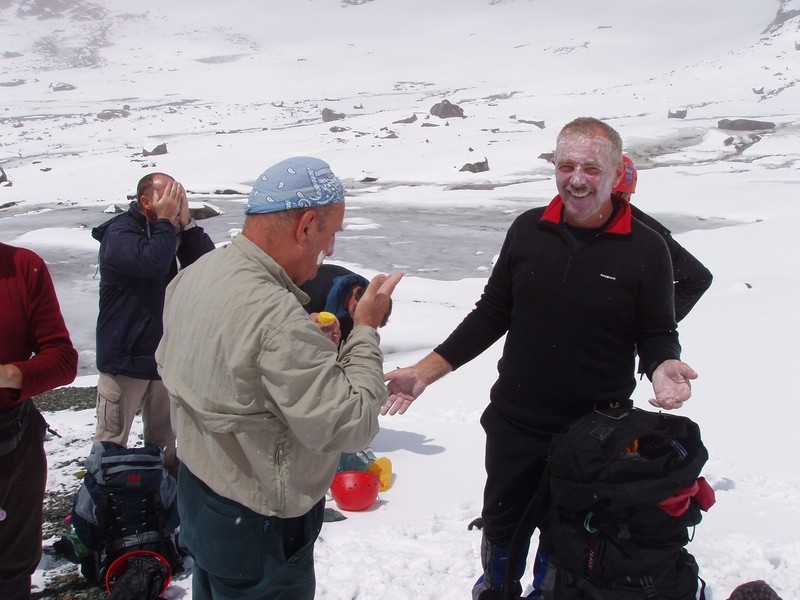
{"x":168,"y":205}
{"x":376,"y":301}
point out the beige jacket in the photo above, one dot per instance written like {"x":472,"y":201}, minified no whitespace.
{"x":262,"y":404}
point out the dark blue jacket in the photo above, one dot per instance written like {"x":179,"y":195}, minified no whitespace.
{"x":137,"y":260}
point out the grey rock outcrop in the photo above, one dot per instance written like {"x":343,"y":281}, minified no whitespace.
{"x":476,"y":167}
{"x":158,"y":150}
{"x":447,"y":110}
{"x":411,"y":119}
{"x":745,"y":125}
{"x":329,"y":115}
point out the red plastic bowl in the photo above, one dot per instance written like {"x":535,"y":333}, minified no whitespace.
{"x":355,"y":490}
{"x":120,"y":565}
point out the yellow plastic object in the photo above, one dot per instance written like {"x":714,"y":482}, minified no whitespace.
{"x":382,"y":469}
{"x":326,"y":318}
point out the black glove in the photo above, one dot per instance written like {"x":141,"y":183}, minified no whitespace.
{"x":143,"y":579}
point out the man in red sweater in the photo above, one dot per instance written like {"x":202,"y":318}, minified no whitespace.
{"x":36,"y":355}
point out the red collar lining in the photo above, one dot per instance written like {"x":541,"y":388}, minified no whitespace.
{"x":620,"y":224}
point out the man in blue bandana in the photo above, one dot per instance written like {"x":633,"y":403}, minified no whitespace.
{"x":263,"y":404}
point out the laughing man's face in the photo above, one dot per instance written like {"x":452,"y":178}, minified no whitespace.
{"x":586,"y":172}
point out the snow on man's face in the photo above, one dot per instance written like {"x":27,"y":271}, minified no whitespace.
{"x":586,"y":172}
{"x":321,"y":239}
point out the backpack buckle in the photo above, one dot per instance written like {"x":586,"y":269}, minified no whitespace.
{"x":648,"y":588}
{"x":587,"y":523}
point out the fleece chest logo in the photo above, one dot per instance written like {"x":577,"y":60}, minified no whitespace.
{"x":611,"y":277}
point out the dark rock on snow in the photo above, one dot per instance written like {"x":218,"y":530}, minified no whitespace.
{"x":330,"y":115}
{"x":745,"y":124}
{"x":160,"y":149}
{"x":62,"y":87}
{"x":539,"y":124}
{"x":476,"y":167}
{"x":410,"y":119}
{"x":112,"y":113}
{"x":447,"y":110}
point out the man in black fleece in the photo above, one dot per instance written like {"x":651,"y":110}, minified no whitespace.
{"x":578,"y":290}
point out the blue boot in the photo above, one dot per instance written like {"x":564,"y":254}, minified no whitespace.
{"x":494,"y":560}
{"x":544,"y":573}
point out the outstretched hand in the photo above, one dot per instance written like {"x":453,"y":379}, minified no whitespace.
{"x":672,"y":384}
{"x":404,"y":387}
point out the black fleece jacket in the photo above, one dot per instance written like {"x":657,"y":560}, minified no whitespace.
{"x":574,"y":320}
{"x":692,"y":278}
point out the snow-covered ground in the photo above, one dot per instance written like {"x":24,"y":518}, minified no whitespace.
{"x":232,"y":88}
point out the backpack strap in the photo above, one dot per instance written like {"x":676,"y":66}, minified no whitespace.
{"x":531,"y":518}
{"x":166,"y":540}
{"x":627,"y":547}
{"x":588,"y":589}
{"x":648,"y":589}
{"x":133,"y":541}
{"x":101,"y":514}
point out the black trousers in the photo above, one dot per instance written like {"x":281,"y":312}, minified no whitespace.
{"x":23,"y":478}
{"x":515,"y":460}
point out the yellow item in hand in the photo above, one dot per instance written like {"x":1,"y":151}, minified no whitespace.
{"x":325,"y":318}
{"x":382,"y":469}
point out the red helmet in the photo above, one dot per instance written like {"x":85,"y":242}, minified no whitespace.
{"x":627,"y":185}
{"x":355,"y":490}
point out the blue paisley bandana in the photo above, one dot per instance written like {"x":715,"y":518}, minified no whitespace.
{"x":299,"y":182}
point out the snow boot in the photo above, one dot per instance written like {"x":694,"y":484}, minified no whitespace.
{"x":494,"y":560}
{"x":544,"y":576}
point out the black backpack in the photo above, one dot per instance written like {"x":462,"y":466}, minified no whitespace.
{"x":619,"y":493}
{"x":127,"y":503}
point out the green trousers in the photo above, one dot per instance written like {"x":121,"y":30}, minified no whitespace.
{"x":239,"y":553}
